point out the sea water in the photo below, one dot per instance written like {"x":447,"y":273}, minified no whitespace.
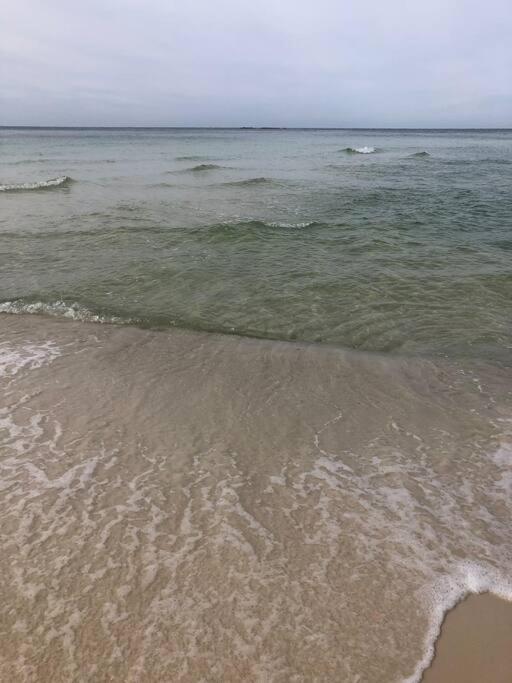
{"x":297,"y":480}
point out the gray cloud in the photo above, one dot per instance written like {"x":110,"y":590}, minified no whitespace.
{"x":229,"y":62}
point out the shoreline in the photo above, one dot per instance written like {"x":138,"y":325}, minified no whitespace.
{"x":44,"y":311}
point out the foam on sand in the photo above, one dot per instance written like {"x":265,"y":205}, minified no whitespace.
{"x":27,"y":355}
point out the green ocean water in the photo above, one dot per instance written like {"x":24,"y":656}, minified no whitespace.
{"x":404,"y":246}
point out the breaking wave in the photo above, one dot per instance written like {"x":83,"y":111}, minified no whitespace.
{"x":249,"y":228}
{"x":62,"y":181}
{"x":304,"y":224}
{"x":359,"y":150}
{"x":60,"y":309}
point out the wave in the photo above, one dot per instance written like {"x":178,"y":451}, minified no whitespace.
{"x":251,"y":181}
{"x":204,"y":167}
{"x":191,"y":157}
{"x":239,"y":227}
{"x":359,"y":150}
{"x":304,"y":224}
{"x":200,"y":168}
{"x":22,"y":162}
{"x":249,"y":229}
{"x":60,"y":309}
{"x":62,"y":181}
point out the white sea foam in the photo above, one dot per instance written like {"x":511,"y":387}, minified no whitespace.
{"x":26,"y":356}
{"x":278,"y":224}
{"x":40,"y":185}
{"x":62,"y":309}
{"x":359,"y":150}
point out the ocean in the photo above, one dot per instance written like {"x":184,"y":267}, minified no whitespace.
{"x":256,"y":405}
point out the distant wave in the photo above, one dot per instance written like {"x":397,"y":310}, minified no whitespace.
{"x":304,"y":224}
{"x":22,"y":162}
{"x":41,"y":185}
{"x":248,"y":228}
{"x":191,"y":157}
{"x":359,"y":150}
{"x":200,"y":168}
{"x":60,"y":309}
{"x":204,"y":167}
{"x":99,"y":233}
{"x":251,"y":181}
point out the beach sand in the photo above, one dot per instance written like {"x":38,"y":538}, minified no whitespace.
{"x":475,"y":645}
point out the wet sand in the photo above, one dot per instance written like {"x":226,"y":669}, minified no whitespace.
{"x":475,"y":645}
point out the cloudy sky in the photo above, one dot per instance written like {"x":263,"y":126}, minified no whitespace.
{"x":264,"y":62}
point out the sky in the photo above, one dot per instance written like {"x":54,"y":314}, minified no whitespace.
{"x":339,"y":63}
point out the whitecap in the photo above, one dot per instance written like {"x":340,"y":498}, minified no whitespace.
{"x":58,"y":308}
{"x":359,"y":150}
{"x":41,"y":185}
{"x":278,"y":224}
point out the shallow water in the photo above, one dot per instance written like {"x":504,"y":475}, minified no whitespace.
{"x":183,"y":506}
{"x":276,"y":234}
{"x":178,"y":505}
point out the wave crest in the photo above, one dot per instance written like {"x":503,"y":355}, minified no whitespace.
{"x":62,"y":181}
{"x":250,"y":229}
{"x":251,"y":182}
{"x":60,"y":309}
{"x":204,"y":167}
{"x":279,"y":224}
{"x":359,"y":150}
{"x":190,"y":157}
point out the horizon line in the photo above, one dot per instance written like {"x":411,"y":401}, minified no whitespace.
{"x":255,"y":128}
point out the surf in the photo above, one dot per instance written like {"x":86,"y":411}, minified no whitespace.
{"x":359,"y":150}
{"x":61,"y":181}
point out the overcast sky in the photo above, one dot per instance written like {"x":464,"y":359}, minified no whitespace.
{"x":265,"y":62}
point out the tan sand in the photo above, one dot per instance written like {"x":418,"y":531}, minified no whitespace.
{"x":475,"y":645}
